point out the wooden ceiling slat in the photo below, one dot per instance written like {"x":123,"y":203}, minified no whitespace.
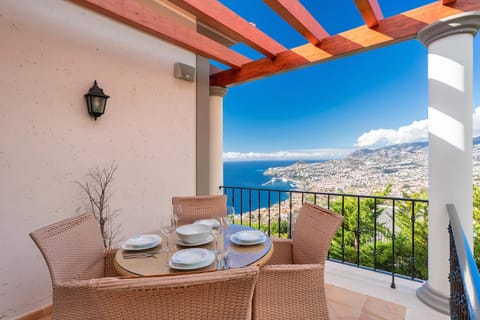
{"x":299,"y":18}
{"x":134,"y":14}
{"x":370,"y":11}
{"x":401,"y":27}
{"x":220,"y":17}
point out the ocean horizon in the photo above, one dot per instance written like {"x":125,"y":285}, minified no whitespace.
{"x":249,"y":174}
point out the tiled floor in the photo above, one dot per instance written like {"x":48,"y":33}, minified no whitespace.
{"x":344,"y":304}
{"x":377,"y":285}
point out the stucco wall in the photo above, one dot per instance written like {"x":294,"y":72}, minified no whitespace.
{"x":51,"y":51}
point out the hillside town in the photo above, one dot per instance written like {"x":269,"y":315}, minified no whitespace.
{"x":365,"y":171}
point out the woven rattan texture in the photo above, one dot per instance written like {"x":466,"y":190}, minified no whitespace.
{"x":213,"y":295}
{"x":292,"y":291}
{"x":314,"y":230}
{"x":200,"y":207}
{"x":282,"y":253}
{"x":73,"y":250}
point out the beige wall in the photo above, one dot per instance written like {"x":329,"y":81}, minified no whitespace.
{"x":51,"y":51}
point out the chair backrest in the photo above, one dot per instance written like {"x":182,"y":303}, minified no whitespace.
{"x":72,"y":248}
{"x":200,"y":207}
{"x":314,"y":230}
{"x":211,"y":295}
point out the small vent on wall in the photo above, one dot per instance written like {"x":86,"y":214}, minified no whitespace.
{"x":184,"y":72}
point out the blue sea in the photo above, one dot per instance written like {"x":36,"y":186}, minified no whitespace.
{"x":249,"y":174}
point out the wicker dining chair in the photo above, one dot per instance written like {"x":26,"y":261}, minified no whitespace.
{"x":73,"y":250}
{"x":220,"y":295}
{"x":291,"y":284}
{"x":200,"y":207}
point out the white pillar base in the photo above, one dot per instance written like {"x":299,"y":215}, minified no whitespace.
{"x":433,"y":298}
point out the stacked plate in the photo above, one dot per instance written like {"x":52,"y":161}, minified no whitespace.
{"x":189,"y":259}
{"x":248,"y":237}
{"x":142,"y":242}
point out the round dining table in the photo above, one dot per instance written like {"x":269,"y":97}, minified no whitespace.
{"x":154,"y":261}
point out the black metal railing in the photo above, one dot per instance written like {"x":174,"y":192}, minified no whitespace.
{"x":464,"y":277}
{"x":380,"y":233}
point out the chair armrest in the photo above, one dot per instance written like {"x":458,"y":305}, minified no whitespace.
{"x":110,"y":270}
{"x":74,"y":300}
{"x":282,"y":253}
{"x":293,"y":291}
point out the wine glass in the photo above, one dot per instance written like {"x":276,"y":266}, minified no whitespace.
{"x":230,"y":215}
{"x":214,"y":231}
{"x":167,"y":225}
{"x":177,"y":213}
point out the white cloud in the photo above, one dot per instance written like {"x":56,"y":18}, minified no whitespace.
{"x":317,"y":154}
{"x":416,"y":131}
{"x":476,"y":122}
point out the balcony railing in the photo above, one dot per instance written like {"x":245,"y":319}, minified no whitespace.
{"x":464,"y":277}
{"x":383,"y":234}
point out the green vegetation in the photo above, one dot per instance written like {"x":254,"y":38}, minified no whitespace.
{"x":476,"y":224}
{"x":368,"y":240}
{"x":368,"y":230}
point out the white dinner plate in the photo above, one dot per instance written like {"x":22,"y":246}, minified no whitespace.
{"x":249,"y":235}
{"x":212,"y":223}
{"x":208,"y":261}
{"x":190,"y":256}
{"x":186,"y":244}
{"x":234,"y":239}
{"x":142,"y":242}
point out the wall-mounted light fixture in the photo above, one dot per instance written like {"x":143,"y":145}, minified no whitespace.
{"x":96,"y":101}
{"x":184,"y":71}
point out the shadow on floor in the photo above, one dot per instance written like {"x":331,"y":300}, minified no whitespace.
{"x":344,"y":304}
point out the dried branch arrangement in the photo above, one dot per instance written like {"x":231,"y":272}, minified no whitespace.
{"x":97,"y":188}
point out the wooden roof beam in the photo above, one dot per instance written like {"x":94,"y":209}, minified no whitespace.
{"x":401,"y":27}
{"x":370,"y":11}
{"x":220,"y":17}
{"x":135,"y":15}
{"x":299,"y":18}
{"x":447,"y":1}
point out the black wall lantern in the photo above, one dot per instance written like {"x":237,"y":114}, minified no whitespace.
{"x":96,"y":101}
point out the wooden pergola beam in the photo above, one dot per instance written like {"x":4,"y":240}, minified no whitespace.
{"x":398,"y":28}
{"x":220,"y":17}
{"x":135,"y":15}
{"x":370,"y":11}
{"x":299,"y":18}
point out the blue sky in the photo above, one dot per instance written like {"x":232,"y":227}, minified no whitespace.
{"x":371,"y":99}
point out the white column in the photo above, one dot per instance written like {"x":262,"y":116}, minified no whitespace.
{"x":450,"y":81}
{"x":216,"y":139}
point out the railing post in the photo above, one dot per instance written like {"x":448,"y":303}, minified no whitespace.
{"x":412,"y":256}
{"x":393,"y":246}
{"x":375,"y":253}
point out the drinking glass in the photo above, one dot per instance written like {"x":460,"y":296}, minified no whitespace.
{"x":177,"y":213}
{"x":214,"y":231}
{"x":230,"y":215}
{"x":167,"y":225}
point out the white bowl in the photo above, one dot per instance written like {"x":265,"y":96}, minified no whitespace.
{"x":193,"y":233}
